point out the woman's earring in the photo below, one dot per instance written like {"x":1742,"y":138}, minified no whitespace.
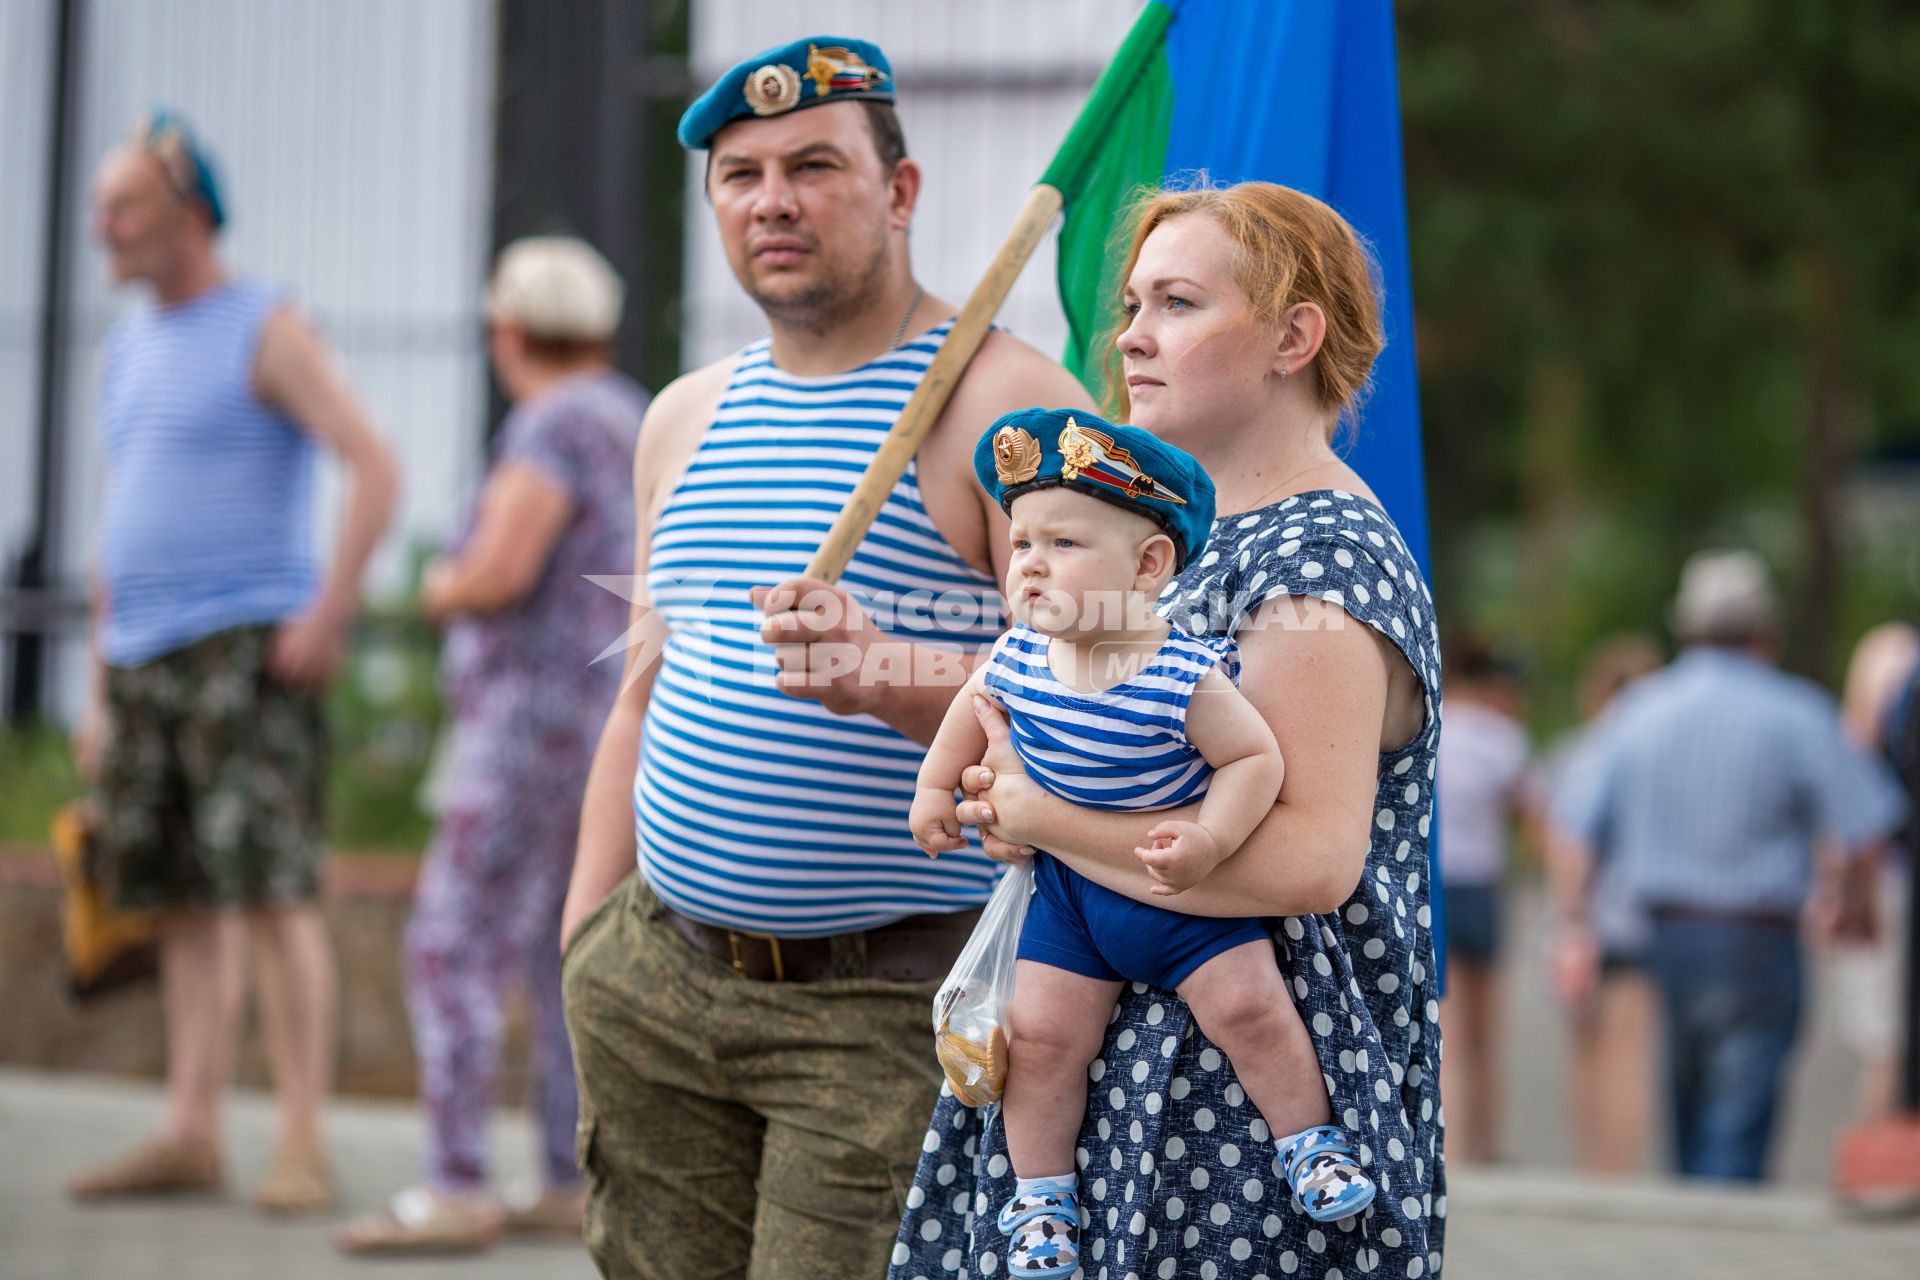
{"x":1283,"y":373}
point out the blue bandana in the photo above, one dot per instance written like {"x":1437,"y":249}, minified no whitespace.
{"x":787,"y":78}
{"x":1041,"y":448}
{"x":165,"y":135}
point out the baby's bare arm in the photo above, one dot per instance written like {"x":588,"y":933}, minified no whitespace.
{"x":960,"y":742}
{"x":1233,"y":737}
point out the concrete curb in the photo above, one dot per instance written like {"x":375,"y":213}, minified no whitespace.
{"x":1554,"y":1194}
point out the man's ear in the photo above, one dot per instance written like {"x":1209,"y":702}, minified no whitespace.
{"x":904,"y":187}
{"x":1156,"y":560}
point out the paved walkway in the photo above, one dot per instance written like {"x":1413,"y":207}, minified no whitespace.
{"x":51,"y":1125}
{"x":1510,"y":1226}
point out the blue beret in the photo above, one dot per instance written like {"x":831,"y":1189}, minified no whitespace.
{"x":1044,"y":448}
{"x":167,"y":137}
{"x":786,"y":78}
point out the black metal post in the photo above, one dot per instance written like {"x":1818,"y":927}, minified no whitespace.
{"x":589,"y":91}
{"x":28,"y":672}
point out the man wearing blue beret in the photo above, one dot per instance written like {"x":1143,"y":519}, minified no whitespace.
{"x":216,"y":629}
{"x":750,"y":1011}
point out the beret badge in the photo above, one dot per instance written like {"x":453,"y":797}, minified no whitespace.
{"x":1093,"y":456}
{"x":836,"y":67}
{"x":1016,"y":455}
{"x":773,"y":89}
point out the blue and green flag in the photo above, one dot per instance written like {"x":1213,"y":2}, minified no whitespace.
{"x":1298,"y":92}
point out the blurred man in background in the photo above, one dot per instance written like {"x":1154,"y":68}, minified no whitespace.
{"x":216,"y":632}
{"x":526,"y":699}
{"x":1733,"y":801}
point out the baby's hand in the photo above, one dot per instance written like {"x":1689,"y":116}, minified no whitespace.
{"x":934,"y":822}
{"x":1179,"y":855}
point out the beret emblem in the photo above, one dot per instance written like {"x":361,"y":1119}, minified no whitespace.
{"x":773,"y":89}
{"x":1093,"y":456}
{"x":1016,"y":455}
{"x":835,"y":67}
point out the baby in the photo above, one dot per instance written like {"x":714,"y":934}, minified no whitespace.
{"x":1111,"y":707}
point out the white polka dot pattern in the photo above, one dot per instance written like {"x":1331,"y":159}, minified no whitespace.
{"x":1179,"y":1172}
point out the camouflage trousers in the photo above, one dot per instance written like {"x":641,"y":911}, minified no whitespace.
{"x":213,"y":786}
{"x":735,"y":1128}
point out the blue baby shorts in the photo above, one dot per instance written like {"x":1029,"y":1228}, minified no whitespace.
{"x":1088,"y":929}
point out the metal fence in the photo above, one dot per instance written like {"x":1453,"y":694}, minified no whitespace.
{"x":355,"y":143}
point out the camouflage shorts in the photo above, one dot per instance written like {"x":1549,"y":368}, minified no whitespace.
{"x":213,"y":786}
{"x":741,"y":1129}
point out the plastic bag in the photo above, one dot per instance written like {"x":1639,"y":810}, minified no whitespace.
{"x":970,"y":1022}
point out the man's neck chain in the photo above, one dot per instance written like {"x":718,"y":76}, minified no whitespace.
{"x":900,"y":331}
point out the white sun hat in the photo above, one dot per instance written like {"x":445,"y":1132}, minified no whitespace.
{"x":556,"y":287}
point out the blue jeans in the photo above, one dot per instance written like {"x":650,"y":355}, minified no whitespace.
{"x":1732,"y":993}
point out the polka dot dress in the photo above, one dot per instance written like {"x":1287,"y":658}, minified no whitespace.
{"x":1178,"y":1173}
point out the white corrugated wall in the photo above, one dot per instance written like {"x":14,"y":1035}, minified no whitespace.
{"x":982,"y":144}
{"x":354,"y":141}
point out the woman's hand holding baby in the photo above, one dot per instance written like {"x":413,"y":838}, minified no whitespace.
{"x":995,"y":787}
{"x":1179,"y":855}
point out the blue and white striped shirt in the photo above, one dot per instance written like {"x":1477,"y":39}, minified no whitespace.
{"x":754,"y":810}
{"x":1120,"y":748}
{"x":1712,"y":782}
{"x":207,"y":521}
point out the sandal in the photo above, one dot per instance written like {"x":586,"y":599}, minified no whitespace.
{"x":546,"y":1213}
{"x":157,"y":1167}
{"x":1044,"y":1226}
{"x":298,"y":1182}
{"x":419,"y":1221}
{"x":1328,"y":1184}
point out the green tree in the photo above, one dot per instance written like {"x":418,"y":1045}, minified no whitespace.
{"x":1668,"y":290}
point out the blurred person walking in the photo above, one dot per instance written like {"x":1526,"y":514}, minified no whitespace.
{"x":527,"y":698}
{"x":1599,"y":950}
{"x":215,"y":634}
{"x":1881,"y":704}
{"x":1733,"y":800}
{"x":750,"y":1012}
{"x":1481,"y":796}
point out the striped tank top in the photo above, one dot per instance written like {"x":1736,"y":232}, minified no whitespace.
{"x":207,"y":518}
{"x":1120,"y":748}
{"x":755,"y":810}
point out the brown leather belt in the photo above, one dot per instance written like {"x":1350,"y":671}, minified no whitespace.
{"x":916,"y":949}
{"x":1676,"y":914}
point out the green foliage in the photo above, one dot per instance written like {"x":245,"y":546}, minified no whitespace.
{"x":384,"y":715}
{"x":1668,"y":286}
{"x":37,"y":776}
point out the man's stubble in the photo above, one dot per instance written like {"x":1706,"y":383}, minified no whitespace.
{"x":836,"y":299}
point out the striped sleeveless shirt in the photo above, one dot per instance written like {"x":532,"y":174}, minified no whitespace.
{"x":207,"y":519}
{"x":758,"y":811}
{"x":1120,"y":748}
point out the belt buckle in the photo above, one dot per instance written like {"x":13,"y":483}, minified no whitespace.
{"x":773,"y":948}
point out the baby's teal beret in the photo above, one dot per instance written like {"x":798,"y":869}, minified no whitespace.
{"x":1131,"y":468}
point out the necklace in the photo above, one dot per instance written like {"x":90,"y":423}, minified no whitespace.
{"x":900,"y":331}
{"x":1276,"y":488}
